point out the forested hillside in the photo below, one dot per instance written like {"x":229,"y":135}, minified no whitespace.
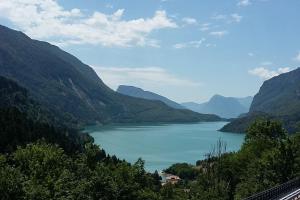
{"x":72,"y":91}
{"x":140,"y":93}
{"x":278,"y":98}
{"x":39,"y":160}
{"x":268,"y":157}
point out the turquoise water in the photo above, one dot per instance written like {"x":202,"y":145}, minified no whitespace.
{"x":163,"y":145}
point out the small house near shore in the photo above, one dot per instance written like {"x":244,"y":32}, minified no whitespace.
{"x":169,"y":178}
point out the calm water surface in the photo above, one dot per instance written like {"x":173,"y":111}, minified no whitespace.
{"x":163,"y":145}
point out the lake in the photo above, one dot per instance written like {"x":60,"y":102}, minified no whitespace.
{"x":163,"y":145}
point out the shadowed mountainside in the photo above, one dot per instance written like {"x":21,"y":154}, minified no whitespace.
{"x":140,"y":93}
{"x":278,"y":98}
{"x":72,"y":90}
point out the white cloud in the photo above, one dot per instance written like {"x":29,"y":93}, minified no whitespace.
{"x":219,"y":17}
{"x":251,"y":54}
{"x":191,"y":44}
{"x":236,"y":17}
{"x":284,"y":70}
{"x":266,"y":73}
{"x":115,"y":76}
{"x":108,"y":5}
{"x":244,"y":3}
{"x":155,"y":79}
{"x":189,"y":21}
{"x":230,"y":18}
{"x":266,"y":63}
{"x":297,"y":58}
{"x":205,"y":27}
{"x":47,"y":20}
{"x":210,"y":45}
{"x":218,"y":34}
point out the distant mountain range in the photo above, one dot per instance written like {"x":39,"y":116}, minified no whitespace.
{"x":72,"y":91}
{"x":140,"y":93}
{"x":278,"y":98}
{"x":226,"y":107}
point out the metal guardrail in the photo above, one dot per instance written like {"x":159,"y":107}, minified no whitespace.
{"x":277,"y":192}
{"x":292,"y":196}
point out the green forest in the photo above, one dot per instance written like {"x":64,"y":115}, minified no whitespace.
{"x":41,"y":157}
{"x":42,"y":161}
{"x":48,"y":97}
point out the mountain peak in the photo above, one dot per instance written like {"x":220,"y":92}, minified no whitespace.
{"x":278,"y":98}
{"x":226,"y":107}
{"x":72,"y":90}
{"x":140,"y":93}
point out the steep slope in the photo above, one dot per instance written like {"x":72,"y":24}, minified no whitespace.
{"x":23,"y":121}
{"x":140,"y":93}
{"x":241,"y":124}
{"x":245,"y":101}
{"x":227,"y":107}
{"x":279,"y":98}
{"x":14,"y":96}
{"x":280,"y":95}
{"x":71,"y":90}
{"x":196,"y":107}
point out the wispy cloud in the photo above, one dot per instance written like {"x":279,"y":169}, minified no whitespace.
{"x":219,"y":34}
{"x":108,"y":5}
{"x":210,"y":45}
{"x":47,"y":20}
{"x":250,"y":54}
{"x":266,"y":63}
{"x":219,"y":17}
{"x":244,"y":3}
{"x":230,"y":18}
{"x":189,"y":21}
{"x":236,"y":17}
{"x":155,"y":79}
{"x":297,"y":58}
{"x":191,"y":44}
{"x":265,"y":73}
{"x":141,"y":76}
{"x":205,"y":27}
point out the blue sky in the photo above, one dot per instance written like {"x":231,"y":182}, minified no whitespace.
{"x":187,"y":50}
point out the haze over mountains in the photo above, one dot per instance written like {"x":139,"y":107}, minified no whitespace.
{"x":140,"y":93}
{"x":72,"y":90}
{"x":226,"y":107}
{"x":278,"y":98}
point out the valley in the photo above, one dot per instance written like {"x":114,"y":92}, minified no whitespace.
{"x":149,"y":100}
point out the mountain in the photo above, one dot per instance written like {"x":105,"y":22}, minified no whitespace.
{"x":23,"y":121}
{"x":140,"y":93}
{"x":227,"y":107}
{"x":14,"y":96}
{"x":197,"y":107}
{"x":245,"y":101}
{"x":240,"y":125}
{"x":280,"y":95}
{"x":278,"y":98}
{"x":71,"y":90}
